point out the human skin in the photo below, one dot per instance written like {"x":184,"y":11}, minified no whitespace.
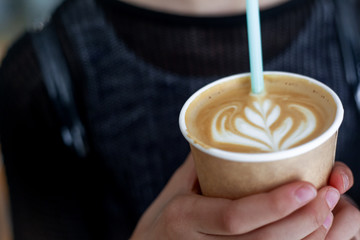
{"x":201,"y":7}
{"x":293,"y":211}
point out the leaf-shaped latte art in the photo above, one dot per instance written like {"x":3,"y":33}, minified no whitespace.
{"x":252,"y":126}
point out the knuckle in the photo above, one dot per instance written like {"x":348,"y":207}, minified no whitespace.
{"x":353,"y":215}
{"x":317,"y":217}
{"x":230,"y":220}
{"x":173,"y":215}
{"x":267,"y":235}
{"x":319,"y":234}
{"x":278,"y":207}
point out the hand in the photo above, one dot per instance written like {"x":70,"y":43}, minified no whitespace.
{"x":292,"y":211}
{"x":346,"y":224}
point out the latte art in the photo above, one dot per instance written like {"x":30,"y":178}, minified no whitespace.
{"x":253,"y":125}
{"x":290,"y":113}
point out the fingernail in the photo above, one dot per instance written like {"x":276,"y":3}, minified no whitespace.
{"x":305,"y":194}
{"x":328,"y":221}
{"x":345,"y":181}
{"x":332,"y":197}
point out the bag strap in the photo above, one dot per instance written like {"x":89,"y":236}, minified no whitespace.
{"x":59,"y":87}
{"x":348,"y":29}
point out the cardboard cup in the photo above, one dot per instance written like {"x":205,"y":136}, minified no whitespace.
{"x":234,"y":175}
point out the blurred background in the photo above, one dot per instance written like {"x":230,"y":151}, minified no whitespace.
{"x":18,"y":15}
{"x":15,"y":17}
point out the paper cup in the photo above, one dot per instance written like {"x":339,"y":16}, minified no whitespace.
{"x":234,"y":175}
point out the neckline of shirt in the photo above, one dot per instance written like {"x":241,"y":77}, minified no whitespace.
{"x":221,"y":21}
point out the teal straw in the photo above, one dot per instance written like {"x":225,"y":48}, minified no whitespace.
{"x":255,"y":50}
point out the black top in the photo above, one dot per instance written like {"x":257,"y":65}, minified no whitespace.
{"x":132,"y":70}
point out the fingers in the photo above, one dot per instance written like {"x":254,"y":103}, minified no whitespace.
{"x":322,"y":231}
{"x":185,"y":176}
{"x":183,"y":181}
{"x":346,"y":222}
{"x":341,"y":177}
{"x":293,"y":211}
{"x":233,"y":217}
{"x":303,"y":223}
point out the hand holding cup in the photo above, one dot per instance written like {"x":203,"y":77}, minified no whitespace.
{"x":244,"y":144}
{"x":292,"y":211}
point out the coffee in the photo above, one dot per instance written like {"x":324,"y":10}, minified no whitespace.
{"x":291,"y":112}
{"x":244,"y":144}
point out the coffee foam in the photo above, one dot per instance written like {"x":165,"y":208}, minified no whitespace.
{"x":292,"y":111}
{"x":253,"y":129}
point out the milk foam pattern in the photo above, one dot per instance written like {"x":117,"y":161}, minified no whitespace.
{"x":252,"y":125}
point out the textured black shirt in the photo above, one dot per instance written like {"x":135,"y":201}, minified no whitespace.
{"x":133,"y":69}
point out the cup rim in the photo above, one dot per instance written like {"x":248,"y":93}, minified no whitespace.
{"x":268,"y":156}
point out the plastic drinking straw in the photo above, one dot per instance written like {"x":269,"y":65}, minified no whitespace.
{"x":255,"y":50}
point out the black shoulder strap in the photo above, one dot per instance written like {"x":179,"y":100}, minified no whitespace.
{"x":348,"y":28}
{"x":58,"y":83}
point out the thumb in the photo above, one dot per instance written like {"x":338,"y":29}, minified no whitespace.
{"x":183,"y":181}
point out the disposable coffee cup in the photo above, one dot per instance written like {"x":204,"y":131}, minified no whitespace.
{"x":232,"y":174}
